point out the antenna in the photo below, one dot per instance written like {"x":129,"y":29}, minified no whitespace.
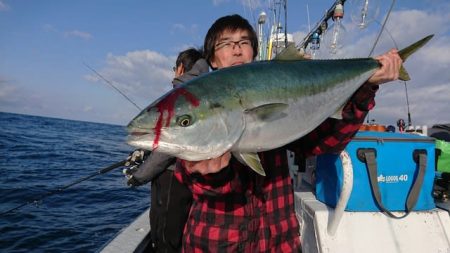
{"x":407,"y":105}
{"x":285,"y":25}
{"x":261,"y":21}
{"x":307,"y":14}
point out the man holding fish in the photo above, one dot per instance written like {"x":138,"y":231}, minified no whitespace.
{"x":245,"y":202}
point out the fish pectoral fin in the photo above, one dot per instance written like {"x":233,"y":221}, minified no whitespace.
{"x":268,"y":112}
{"x":290,"y":53}
{"x":252,"y":161}
{"x":338,"y":114}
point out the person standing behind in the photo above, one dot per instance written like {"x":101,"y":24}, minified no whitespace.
{"x":235,"y":209}
{"x":189,"y":64}
{"x":170,"y":199}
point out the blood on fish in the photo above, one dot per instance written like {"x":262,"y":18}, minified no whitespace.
{"x":168,"y":104}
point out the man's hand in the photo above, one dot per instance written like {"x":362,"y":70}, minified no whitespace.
{"x":134,"y":160}
{"x":208,"y":166}
{"x":136,"y":157}
{"x":390,"y":66}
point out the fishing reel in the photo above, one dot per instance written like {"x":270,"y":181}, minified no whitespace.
{"x":134,"y":160}
{"x":136,"y":157}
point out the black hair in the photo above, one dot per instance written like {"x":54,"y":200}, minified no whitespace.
{"x":231,"y":23}
{"x":188,"y":57}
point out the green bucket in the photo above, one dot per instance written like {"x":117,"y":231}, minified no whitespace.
{"x":443,"y":158}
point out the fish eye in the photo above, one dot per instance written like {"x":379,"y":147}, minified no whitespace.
{"x":184,"y":120}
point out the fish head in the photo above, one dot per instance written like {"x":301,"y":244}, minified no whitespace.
{"x":186,"y":126}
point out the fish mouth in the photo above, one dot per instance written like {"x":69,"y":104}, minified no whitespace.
{"x":138,"y":133}
{"x":139,"y":139}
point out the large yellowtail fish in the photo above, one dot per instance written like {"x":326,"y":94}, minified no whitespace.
{"x":252,"y":107}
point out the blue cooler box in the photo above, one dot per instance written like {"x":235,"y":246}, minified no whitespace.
{"x":396,"y":158}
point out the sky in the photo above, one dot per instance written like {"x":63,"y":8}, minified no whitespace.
{"x":47,"y":48}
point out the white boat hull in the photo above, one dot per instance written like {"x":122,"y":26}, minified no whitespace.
{"x":427,"y":231}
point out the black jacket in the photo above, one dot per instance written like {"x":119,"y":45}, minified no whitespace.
{"x":170,"y":199}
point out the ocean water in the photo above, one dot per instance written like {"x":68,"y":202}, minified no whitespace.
{"x":39,"y":154}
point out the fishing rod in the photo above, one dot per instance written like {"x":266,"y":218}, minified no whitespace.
{"x":62,"y":188}
{"x":382,"y":27}
{"x":112,"y":85}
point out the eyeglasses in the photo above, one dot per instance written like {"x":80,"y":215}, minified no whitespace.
{"x":229,"y":44}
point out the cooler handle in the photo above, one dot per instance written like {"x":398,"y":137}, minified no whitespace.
{"x":419,"y":156}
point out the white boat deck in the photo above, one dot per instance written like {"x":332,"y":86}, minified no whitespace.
{"x":426,"y":231}
{"x":133,"y":238}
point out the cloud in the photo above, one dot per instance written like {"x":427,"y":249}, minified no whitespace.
{"x":429,"y":88}
{"x":141,"y":75}
{"x":179,"y":27}
{"x":49,"y":28}
{"x":7,"y":90}
{"x":4,"y":6}
{"x":183,"y":47}
{"x":252,"y":4}
{"x":145,"y":75}
{"x":298,"y":36}
{"x":245,"y":3}
{"x":16,"y":98}
{"x":67,"y":34}
{"x":218,"y":2}
{"x":428,"y":105}
{"x":417,"y":23}
{"x":78,"y":34}
{"x":88,"y":108}
{"x":191,"y":30}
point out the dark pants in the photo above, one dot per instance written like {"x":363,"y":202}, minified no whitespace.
{"x":170,"y":205}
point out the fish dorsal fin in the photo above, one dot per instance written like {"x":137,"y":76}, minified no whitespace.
{"x":252,"y":161}
{"x":290,"y":53}
{"x":268,"y":112}
{"x":409,"y":50}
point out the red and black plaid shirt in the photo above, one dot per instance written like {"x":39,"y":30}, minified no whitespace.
{"x":237,"y":210}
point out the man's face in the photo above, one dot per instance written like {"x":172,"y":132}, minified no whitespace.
{"x":232,"y":48}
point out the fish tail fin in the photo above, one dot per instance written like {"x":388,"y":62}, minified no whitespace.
{"x":409,"y":50}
